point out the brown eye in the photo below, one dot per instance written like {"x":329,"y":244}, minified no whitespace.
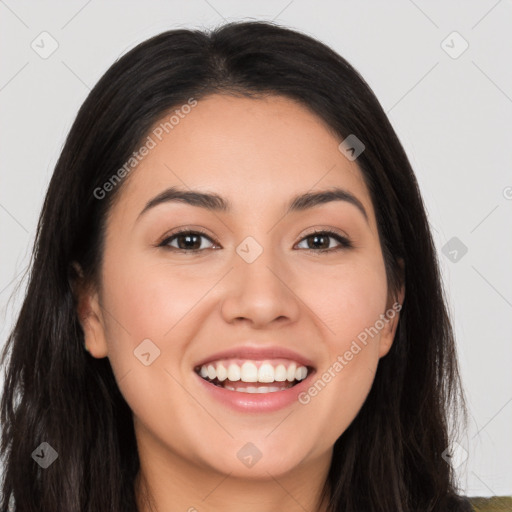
{"x":320,"y":241}
{"x":191,"y":241}
{"x":186,"y":241}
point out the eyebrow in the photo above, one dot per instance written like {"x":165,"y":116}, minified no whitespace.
{"x":217,"y":203}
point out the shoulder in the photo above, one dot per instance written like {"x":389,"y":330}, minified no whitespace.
{"x":494,"y":504}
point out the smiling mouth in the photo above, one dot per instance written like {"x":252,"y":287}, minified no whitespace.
{"x":254,"y":376}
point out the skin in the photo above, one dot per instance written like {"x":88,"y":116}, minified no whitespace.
{"x":257,"y":153}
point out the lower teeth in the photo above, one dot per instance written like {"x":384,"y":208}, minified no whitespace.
{"x":260,"y":389}
{"x":253,"y":389}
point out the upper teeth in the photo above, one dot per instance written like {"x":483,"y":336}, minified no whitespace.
{"x":249,"y":372}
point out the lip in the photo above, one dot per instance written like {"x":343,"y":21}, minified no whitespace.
{"x":256,"y":402}
{"x":257,"y":353}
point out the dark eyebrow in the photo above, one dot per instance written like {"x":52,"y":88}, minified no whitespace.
{"x":214,"y":202}
{"x":308,"y":200}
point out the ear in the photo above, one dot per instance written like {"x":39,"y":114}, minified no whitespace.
{"x":90,"y":315}
{"x":391,"y":316}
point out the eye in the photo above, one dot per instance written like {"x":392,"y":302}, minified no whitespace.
{"x":321,"y":239}
{"x":187,"y":241}
{"x":190,"y":241}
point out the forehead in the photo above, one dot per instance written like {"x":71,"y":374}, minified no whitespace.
{"x":255,"y":152}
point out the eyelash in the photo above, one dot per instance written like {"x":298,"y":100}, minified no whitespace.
{"x":345,"y":242}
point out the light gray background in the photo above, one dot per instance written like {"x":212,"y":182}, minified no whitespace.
{"x":453,"y":116}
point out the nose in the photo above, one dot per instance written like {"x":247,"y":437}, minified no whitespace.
{"x":260,"y":293}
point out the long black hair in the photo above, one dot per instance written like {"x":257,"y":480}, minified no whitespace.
{"x":391,"y":456}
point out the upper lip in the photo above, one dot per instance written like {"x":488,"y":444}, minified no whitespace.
{"x":257,"y":353}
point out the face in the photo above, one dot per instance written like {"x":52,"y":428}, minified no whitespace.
{"x":245,"y":292}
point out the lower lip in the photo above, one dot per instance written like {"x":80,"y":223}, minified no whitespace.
{"x":256,"y":402}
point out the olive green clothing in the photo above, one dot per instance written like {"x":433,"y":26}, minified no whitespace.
{"x":494,"y":504}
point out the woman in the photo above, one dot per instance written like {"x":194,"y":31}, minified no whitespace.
{"x":235,"y":301}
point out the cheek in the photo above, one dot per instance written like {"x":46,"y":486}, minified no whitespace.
{"x":349,"y":300}
{"x":349,"y":303}
{"x":150,"y":300}
{"x":150,"y":312}
{"x":146,"y":302}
